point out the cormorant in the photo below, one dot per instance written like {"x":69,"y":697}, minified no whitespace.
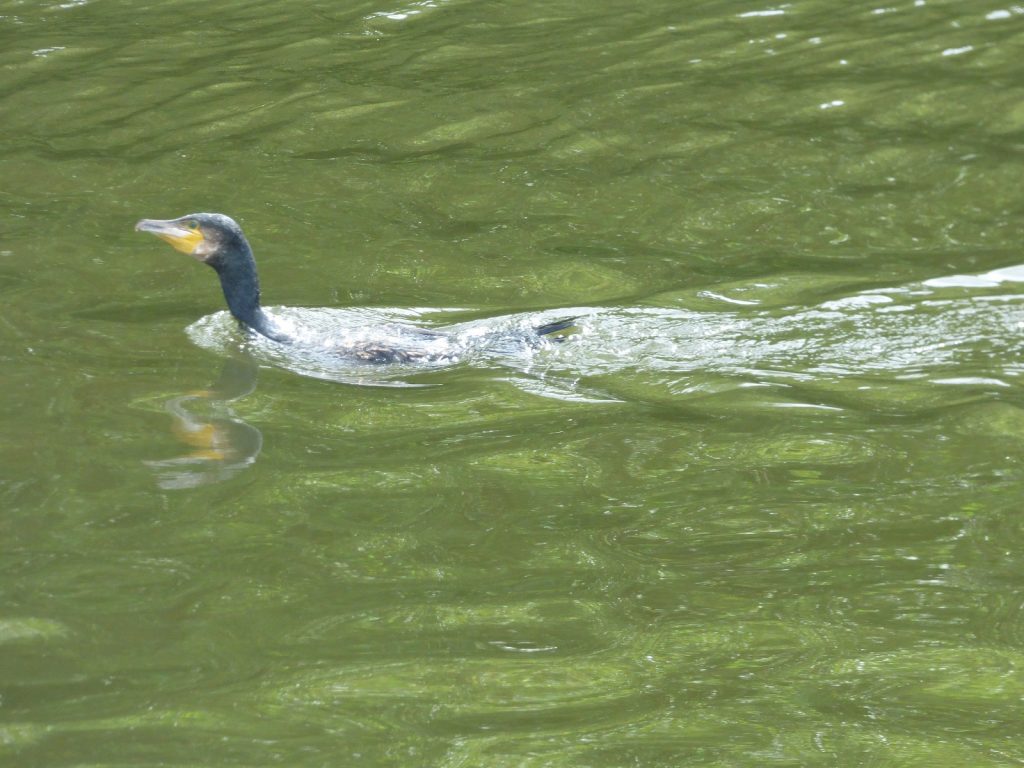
{"x":217,"y":240}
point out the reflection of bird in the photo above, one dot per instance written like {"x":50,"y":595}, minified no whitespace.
{"x":216,"y":239}
{"x":221,"y":444}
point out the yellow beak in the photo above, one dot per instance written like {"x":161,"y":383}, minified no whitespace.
{"x":183,"y":239}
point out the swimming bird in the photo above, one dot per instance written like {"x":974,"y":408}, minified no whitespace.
{"x":217,"y":240}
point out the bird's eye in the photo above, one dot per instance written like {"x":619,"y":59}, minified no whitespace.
{"x":193,"y":225}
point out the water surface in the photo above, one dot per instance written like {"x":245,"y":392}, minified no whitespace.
{"x":761,"y":509}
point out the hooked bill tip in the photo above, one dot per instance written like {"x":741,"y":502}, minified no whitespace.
{"x":158,"y":227}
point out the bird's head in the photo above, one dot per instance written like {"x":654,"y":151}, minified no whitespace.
{"x":208,"y":237}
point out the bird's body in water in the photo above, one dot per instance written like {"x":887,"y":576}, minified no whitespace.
{"x":217,"y":240}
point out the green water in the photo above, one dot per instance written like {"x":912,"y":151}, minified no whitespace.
{"x":763,"y":509}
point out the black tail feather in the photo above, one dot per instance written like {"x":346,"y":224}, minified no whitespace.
{"x":558,"y":325}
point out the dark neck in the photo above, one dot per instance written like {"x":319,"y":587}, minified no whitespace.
{"x":241,"y":286}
